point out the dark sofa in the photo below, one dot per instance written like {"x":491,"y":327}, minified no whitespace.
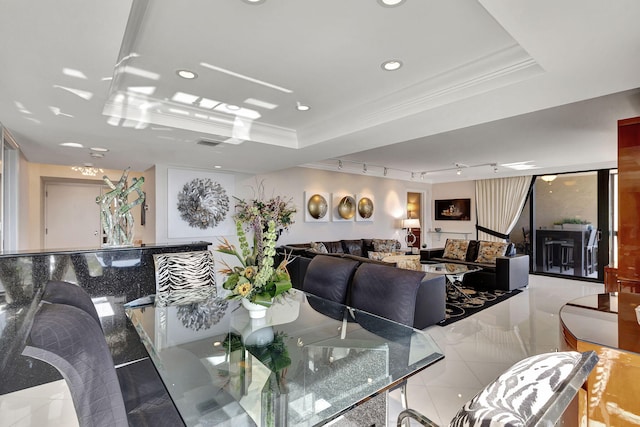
{"x":509,"y":272}
{"x":301,"y":254}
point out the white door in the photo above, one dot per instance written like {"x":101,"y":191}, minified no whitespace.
{"x":72,"y":216}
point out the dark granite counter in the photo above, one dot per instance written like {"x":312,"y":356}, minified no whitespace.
{"x":111,"y":276}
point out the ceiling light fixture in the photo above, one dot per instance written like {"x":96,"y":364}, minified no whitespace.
{"x":72,"y":144}
{"x":364,"y":168}
{"x":97,"y":155}
{"x":187,"y":74}
{"x":100,"y":149}
{"x":254,"y":2}
{"x":232,"y":107}
{"x":302,"y":107}
{"x":390,"y":3}
{"x":391,"y":65}
{"x":385,"y":171}
{"x":548,"y":178}
{"x":87,"y":170}
{"x":422,"y":175}
{"x":413,"y":175}
{"x":340,"y":164}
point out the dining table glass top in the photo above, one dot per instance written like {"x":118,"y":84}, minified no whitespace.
{"x":305,"y":363}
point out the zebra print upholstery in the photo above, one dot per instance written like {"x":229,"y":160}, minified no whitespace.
{"x":518,"y":397}
{"x":184,"y":278}
{"x":534,"y":392}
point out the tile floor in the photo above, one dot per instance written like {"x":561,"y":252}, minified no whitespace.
{"x":477,"y":349}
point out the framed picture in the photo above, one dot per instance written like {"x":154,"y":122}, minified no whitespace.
{"x":344,"y":207}
{"x":200,"y":204}
{"x":453,"y":210}
{"x":316,"y":206}
{"x":365,"y":208}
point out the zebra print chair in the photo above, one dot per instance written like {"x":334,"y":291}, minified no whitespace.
{"x":534,"y":392}
{"x":184,"y":278}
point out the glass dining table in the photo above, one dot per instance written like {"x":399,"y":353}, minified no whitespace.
{"x":307,"y":362}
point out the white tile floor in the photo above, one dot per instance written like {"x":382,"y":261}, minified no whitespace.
{"x":477,"y":349}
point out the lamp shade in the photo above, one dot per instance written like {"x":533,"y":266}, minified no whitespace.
{"x":411,"y":223}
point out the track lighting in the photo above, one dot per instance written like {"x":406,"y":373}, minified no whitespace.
{"x":459,"y":171}
{"x":385,"y":171}
{"x":340,"y":164}
{"x":422,"y":176}
{"x":413,"y":175}
{"x":364,"y":168}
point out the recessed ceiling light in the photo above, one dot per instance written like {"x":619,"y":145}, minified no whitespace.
{"x":97,"y":155}
{"x":302,"y":107}
{"x":390,"y":3}
{"x":391,"y":65}
{"x":72,"y":144}
{"x":186,"y":74}
{"x":218,"y":167}
{"x":100,"y":149}
{"x":254,"y":2}
{"x":232,"y":107}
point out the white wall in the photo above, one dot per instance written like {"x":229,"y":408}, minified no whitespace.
{"x":389,"y":197}
{"x":452,"y":190}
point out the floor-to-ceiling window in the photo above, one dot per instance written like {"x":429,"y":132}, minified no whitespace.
{"x":568,"y":224}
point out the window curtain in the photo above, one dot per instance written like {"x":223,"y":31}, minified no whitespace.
{"x":499,"y":203}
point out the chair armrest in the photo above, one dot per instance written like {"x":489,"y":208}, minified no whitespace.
{"x":415,"y":415}
{"x":427,"y":254}
{"x":512,"y":272}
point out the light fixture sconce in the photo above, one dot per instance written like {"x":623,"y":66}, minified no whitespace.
{"x":410,"y":223}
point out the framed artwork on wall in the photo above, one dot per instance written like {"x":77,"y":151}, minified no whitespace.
{"x":453,"y":210}
{"x":199,"y":203}
{"x":317,"y":206}
{"x":344,"y":207}
{"x":365,"y":208}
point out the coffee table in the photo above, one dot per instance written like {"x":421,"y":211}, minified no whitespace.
{"x":454,"y":274}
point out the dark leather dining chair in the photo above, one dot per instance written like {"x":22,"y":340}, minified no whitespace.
{"x":534,"y":392}
{"x":329,"y":276}
{"x":57,"y":292}
{"x":69,"y":339}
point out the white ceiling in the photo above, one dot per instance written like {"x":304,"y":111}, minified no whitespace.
{"x":482,"y":83}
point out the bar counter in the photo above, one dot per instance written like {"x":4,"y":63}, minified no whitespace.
{"x":112,"y":276}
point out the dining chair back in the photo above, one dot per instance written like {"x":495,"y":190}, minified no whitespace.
{"x":329,"y":276}
{"x":57,"y":292}
{"x":534,"y":392}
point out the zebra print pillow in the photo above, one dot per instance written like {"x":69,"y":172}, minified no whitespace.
{"x":184,"y":278}
{"x":518,"y":395}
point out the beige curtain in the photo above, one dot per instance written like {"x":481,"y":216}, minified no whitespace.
{"x":499,"y":203}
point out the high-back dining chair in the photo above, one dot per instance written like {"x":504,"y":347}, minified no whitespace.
{"x":590,"y":252}
{"x":534,"y":392}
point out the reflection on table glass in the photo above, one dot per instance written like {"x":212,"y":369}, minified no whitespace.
{"x":308,"y":361}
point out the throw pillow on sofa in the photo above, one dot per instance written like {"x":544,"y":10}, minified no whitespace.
{"x":456,"y":249}
{"x":384,"y":245}
{"x":378,"y":256}
{"x":319,"y":247}
{"x":489,"y":251}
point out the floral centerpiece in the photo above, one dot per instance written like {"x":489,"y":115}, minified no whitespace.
{"x":256,"y":279}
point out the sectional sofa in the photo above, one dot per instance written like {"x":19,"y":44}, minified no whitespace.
{"x":362,"y":250}
{"x":502,"y":267}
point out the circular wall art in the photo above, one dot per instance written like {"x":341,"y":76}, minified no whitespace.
{"x":317,"y":206}
{"x":347,"y":207}
{"x":203,"y":203}
{"x":365,"y":207}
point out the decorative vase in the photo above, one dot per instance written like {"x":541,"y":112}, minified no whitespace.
{"x":256,"y":311}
